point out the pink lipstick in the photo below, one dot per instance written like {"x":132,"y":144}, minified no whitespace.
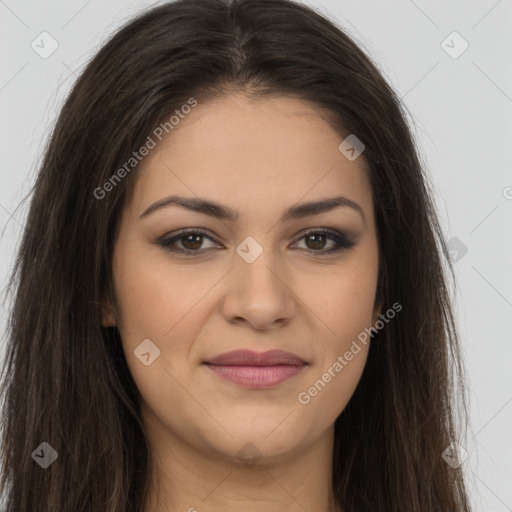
{"x":256,"y":370}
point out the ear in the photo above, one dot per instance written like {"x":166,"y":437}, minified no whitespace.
{"x":108,"y":316}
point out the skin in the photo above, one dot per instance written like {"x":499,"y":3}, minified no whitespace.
{"x":258,"y":157}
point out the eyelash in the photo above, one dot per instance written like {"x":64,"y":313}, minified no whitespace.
{"x":338,"y":237}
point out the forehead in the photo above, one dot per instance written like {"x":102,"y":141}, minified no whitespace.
{"x":255,"y":155}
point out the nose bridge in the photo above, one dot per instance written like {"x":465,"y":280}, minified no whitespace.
{"x":260,"y":275}
{"x":258,"y":291}
{"x":257,"y":273}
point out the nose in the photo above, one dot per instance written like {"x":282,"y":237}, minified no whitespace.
{"x":259,"y":294}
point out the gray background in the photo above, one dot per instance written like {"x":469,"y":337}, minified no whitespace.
{"x":461,"y":113}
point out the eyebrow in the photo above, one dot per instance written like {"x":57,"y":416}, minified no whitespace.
{"x":219,"y":211}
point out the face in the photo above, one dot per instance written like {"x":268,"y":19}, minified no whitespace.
{"x":262,"y":271}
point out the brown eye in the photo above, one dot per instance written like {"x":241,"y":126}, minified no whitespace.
{"x":187,"y":242}
{"x":192,"y":242}
{"x":315,"y":241}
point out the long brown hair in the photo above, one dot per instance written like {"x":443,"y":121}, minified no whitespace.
{"x":65,"y":377}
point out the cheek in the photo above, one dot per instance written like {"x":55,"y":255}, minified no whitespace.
{"x":163,"y":304}
{"x":344,"y":306}
{"x":152,"y":295}
{"x":344,"y":301}
{"x":327,"y":394}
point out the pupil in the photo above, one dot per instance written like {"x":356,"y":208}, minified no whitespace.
{"x":319,"y":243}
{"x":187,"y":239}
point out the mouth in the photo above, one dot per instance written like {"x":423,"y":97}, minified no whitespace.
{"x":256,"y":370}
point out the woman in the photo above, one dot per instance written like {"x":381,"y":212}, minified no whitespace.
{"x":230,"y":291}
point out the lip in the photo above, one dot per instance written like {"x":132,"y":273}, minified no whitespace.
{"x":256,"y":370}
{"x":251,"y":358}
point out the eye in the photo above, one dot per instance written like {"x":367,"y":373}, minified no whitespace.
{"x":191,"y":241}
{"x":315,"y":241}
